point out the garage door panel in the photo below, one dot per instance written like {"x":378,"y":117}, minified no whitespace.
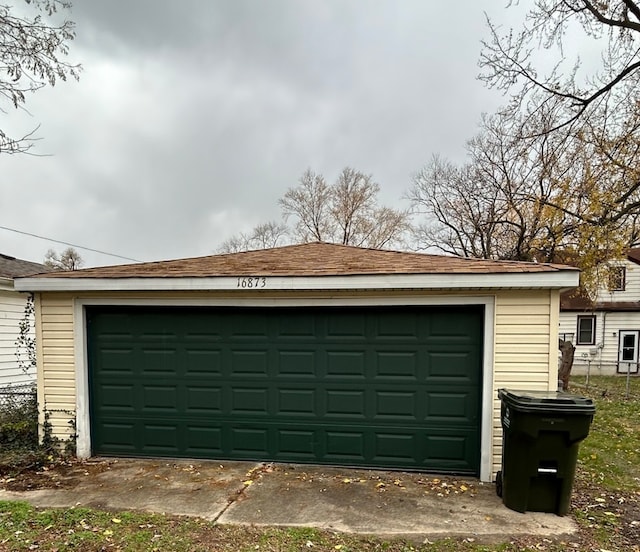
{"x":343,"y":445}
{"x":381,"y":387}
{"x":252,"y":325}
{"x":250,"y":442}
{"x":202,"y":361}
{"x":297,"y":326}
{"x":345,"y":364}
{"x":397,"y":327}
{"x":351,"y":325}
{"x":397,"y":365}
{"x":292,"y":363}
{"x":296,"y":402}
{"x":203,"y":441}
{"x":451,"y":408}
{"x":160,"y":398}
{"x":249,"y":362}
{"x":117,"y":398}
{"x":297,"y":444}
{"x":449,"y":450}
{"x":253,"y":401}
{"x":199,"y":328}
{"x":394,"y":406}
{"x":161,"y":438}
{"x":396,"y":447}
{"x":116,"y":360}
{"x":345,"y":404}
{"x":450,"y":325}
{"x":451,"y":365}
{"x":203,"y":400}
{"x":120,"y":437}
{"x":155,"y":360}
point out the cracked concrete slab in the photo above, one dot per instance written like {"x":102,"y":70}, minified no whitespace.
{"x":203,"y":489}
{"x":384,"y":503}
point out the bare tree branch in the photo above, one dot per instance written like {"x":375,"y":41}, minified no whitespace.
{"x":31,"y":57}
{"x":511,"y":63}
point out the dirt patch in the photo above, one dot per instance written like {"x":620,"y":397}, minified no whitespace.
{"x":59,"y":475}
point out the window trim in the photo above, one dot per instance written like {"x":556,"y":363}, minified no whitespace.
{"x":592,"y":340}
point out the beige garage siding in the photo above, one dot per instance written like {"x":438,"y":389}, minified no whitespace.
{"x":526,"y":332}
{"x":56,"y":380}
{"x":525,"y":348}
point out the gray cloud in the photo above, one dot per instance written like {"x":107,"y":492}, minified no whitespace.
{"x":192,"y":118}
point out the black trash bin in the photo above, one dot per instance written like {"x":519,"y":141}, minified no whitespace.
{"x":541,"y":432}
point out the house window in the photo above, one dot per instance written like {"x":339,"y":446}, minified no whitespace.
{"x":617,"y":277}
{"x":586,"y":330}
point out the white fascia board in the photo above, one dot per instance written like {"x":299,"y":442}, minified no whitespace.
{"x":548,"y":280}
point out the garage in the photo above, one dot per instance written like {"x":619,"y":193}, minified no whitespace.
{"x":309,"y":353}
{"x":395,"y":387}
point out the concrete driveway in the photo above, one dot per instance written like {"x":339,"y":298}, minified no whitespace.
{"x":412,"y":505}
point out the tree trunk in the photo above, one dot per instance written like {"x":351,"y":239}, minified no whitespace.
{"x":566,"y":363}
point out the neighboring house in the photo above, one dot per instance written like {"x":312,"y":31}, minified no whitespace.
{"x":606,"y":332}
{"x":313,"y":353}
{"x":12,"y":312}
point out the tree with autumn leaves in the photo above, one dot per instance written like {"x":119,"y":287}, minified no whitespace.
{"x":553,"y":176}
{"x":567,"y":196}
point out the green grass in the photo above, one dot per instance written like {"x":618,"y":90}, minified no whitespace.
{"x":610,"y":456}
{"x":23,"y":527}
{"x":605,"y":502}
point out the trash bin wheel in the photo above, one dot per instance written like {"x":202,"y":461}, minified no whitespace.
{"x":499,"y":484}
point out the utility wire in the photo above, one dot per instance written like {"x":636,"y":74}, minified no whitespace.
{"x":69,"y":244}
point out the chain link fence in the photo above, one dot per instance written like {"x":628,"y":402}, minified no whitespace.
{"x":18,"y":417}
{"x":16,"y":397}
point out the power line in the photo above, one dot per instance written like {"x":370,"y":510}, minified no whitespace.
{"x":69,"y":244}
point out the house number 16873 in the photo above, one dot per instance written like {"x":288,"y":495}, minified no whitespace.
{"x":252,"y":282}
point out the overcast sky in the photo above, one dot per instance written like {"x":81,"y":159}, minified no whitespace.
{"x":192,"y":118}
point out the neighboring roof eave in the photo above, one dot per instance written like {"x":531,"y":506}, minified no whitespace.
{"x":6,"y":284}
{"x":10,"y":267}
{"x":633,"y":255}
{"x":622,"y":306}
{"x":560,"y":279}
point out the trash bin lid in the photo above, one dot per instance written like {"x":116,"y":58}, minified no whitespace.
{"x":546,"y":401}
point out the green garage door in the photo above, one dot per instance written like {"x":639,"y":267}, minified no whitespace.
{"x":396,"y":387}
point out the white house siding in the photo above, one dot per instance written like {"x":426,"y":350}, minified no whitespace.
{"x":12,"y":306}
{"x":602,"y":357}
{"x":524,"y":345}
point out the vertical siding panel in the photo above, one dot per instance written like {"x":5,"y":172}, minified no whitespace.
{"x":554,"y":324}
{"x":523,"y":353}
{"x":57,"y":384}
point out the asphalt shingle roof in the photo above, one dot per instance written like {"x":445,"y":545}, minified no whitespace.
{"x":10,"y":267}
{"x":311,"y":259}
